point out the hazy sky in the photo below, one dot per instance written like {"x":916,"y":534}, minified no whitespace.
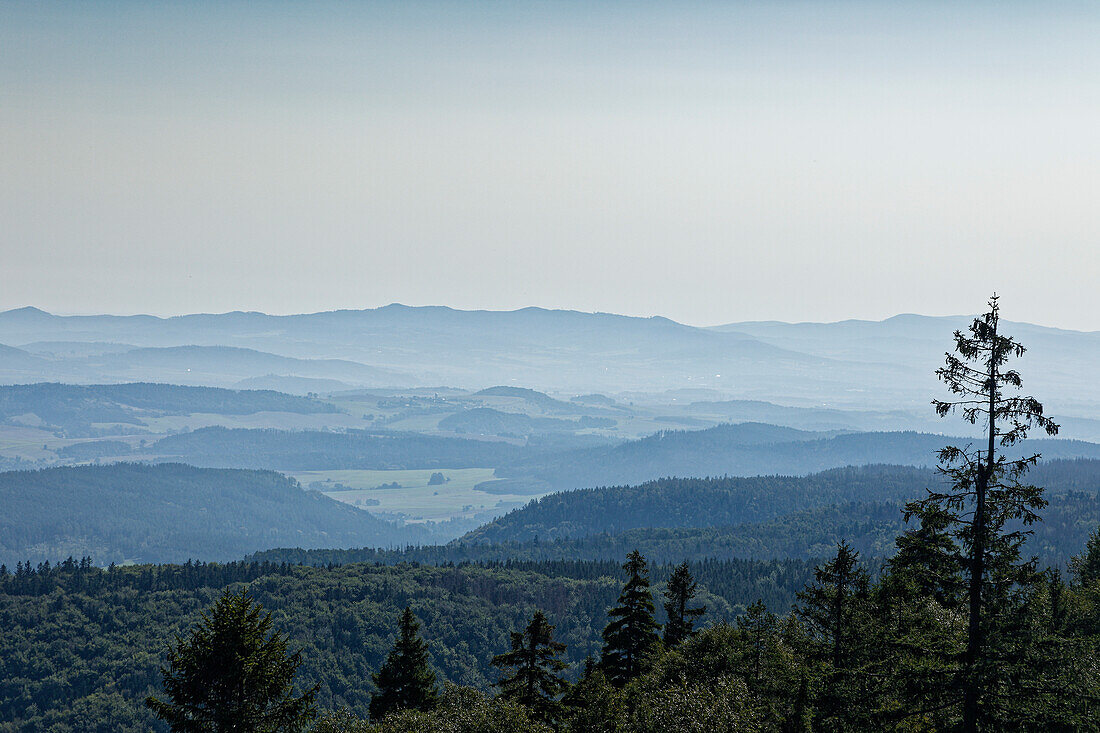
{"x":708,"y":162}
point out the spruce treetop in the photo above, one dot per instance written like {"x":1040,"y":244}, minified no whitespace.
{"x":233,"y":673}
{"x":406,"y":680}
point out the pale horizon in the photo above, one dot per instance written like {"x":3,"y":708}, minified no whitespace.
{"x":165,"y":316}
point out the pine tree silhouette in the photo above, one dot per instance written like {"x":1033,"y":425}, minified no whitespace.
{"x":630,"y":637}
{"x":406,"y":681}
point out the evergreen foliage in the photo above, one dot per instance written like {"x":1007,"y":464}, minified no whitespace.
{"x":967,"y":540}
{"x":464,"y":710}
{"x":678,"y":594}
{"x":233,"y":674}
{"x":536,"y":680}
{"x":631,"y":636}
{"x":406,"y":680}
{"x":836,"y":612}
{"x":1086,"y":566}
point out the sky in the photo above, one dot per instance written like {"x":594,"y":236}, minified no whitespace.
{"x":709,"y":162}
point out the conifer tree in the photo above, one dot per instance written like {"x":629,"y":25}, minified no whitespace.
{"x":759,"y":626}
{"x":406,"y":680}
{"x":630,"y":637}
{"x":233,"y":673}
{"x":1086,"y":566}
{"x":967,"y":522}
{"x":681,"y":619}
{"x":836,"y":611}
{"x":535,"y":682}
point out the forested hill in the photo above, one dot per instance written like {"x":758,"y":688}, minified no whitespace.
{"x":171,"y":512}
{"x":869,"y":527}
{"x":697,"y":502}
{"x":73,"y":408}
{"x":729,"y":501}
{"x":312,"y":450}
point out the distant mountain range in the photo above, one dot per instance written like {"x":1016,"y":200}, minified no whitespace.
{"x":884,"y":366}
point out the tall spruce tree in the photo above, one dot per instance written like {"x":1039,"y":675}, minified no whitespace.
{"x":836,"y":610}
{"x":974,"y":529}
{"x":678,"y":594}
{"x":535,"y":681}
{"x":233,"y":673}
{"x":631,"y":636}
{"x":406,"y":680}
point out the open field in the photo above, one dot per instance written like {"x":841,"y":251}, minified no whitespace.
{"x":412,"y":497}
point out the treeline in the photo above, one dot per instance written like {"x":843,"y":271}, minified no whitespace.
{"x":81,"y":576}
{"x":855,"y":654}
{"x":869,"y":527}
{"x":728,"y":501}
{"x":101,"y":633}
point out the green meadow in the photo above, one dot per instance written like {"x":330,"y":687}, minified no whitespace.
{"x":412,"y":496}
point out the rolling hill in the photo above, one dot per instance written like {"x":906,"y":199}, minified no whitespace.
{"x":74,"y":408}
{"x":171,"y":512}
{"x":750,"y":449}
{"x":729,"y":501}
{"x":315,"y":451}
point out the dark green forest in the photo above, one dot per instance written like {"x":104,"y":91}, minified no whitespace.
{"x":869,"y":527}
{"x":82,"y":645}
{"x":716,"y":502}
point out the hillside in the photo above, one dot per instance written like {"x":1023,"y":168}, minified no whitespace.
{"x":487,"y":421}
{"x":73,"y":408}
{"x":172,"y":512}
{"x":869,"y":527}
{"x":747,"y":449}
{"x":728,"y":501}
{"x":750,"y":449}
{"x":312,"y":450}
{"x":1056,"y":358}
{"x":226,"y":366}
{"x":695,"y":502}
